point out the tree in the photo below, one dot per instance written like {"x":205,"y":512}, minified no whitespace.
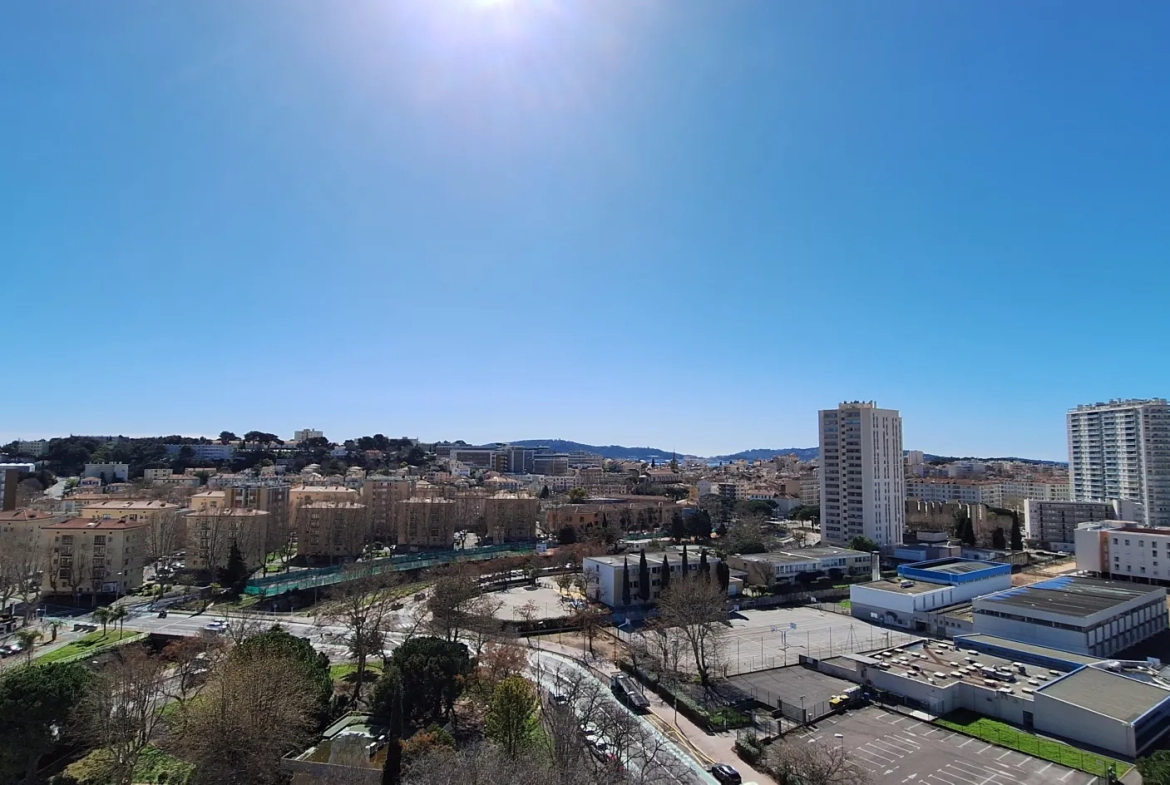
{"x":697,"y":609}
{"x":798,"y":763}
{"x":723,"y":574}
{"x":434,"y":673}
{"x":35,"y":707}
{"x":964,"y":528}
{"x":27,"y":638}
{"x":863,"y":543}
{"x":103,"y":616}
{"x":264,"y":701}
{"x":678,"y":526}
{"x":699,"y":525}
{"x":363,"y":609}
{"x":226,"y":437}
{"x":21,"y":559}
{"x":1155,"y":769}
{"x":567,"y":535}
{"x":578,"y":496}
{"x":721,"y":530}
{"x":704,"y":567}
{"x":685,"y":571}
{"x":1017,"y":533}
{"x":664,"y":582}
{"x":392,"y":705}
{"x":448,"y":599}
{"x":643,"y":578}
{"x":122,"y":713}
{"x":511,"y":717}
{"x":235,"y":573}
{"x":998,"y":539}
{"x":746,"y":536}
{"x":626,"y":583}
{"x":805,"y":512}
{"x":544,"y":492}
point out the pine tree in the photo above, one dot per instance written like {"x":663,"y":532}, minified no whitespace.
{"x":235,"y":574}
{"x":643,"y":578}
{"x":998,"y":541}
{"x":665,"y":572}
{"x":723,"y":574}
{"x":678,"y":527}
{"x":704,"y":567}
{"x":684,"y":561}
{"x":626,"y":583}
{"x":392,"y":769}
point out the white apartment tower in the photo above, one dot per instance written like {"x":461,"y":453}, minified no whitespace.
{"x":863,"y":480}
{"x":1121,"y":450}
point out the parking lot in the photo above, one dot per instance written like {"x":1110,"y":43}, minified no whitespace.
{"x":792,"y":689}
{"x":899,"y":750}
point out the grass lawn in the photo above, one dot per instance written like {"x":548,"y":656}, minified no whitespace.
{"x":971,"y":724}
{"x":88,"y":644}
{"x":151,"y":765}
{"x":345,"y":671}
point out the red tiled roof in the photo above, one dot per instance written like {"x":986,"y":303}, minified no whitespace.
{"x":97,"y":523}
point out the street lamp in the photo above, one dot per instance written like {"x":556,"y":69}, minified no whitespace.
{"x":803,"y":714}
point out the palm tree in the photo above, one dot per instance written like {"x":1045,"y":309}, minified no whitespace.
{"x":54,"y":626}
{"x":118,"y":616}
{"x":103,"y":616}
{"x":27,"y":638}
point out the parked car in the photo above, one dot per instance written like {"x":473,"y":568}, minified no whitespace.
{"x":726,"y":774}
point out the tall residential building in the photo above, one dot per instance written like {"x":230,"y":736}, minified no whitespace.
{"x":95,"y":555}
{"x":1121,"y":450}
{"x":9,"y":481}
{"x":863,"y":484}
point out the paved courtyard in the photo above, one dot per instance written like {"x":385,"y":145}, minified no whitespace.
{"x":900,"y":750}
{"x":545,"y":599}
{"x":772,"y":638}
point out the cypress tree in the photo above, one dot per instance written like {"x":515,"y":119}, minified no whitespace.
{"x":643,"y":578}
{"x":626,"y":583}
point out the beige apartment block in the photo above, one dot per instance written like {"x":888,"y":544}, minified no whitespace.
{"x":270,"y":497}
{"x":426,"y":523}
{"x":208,"y":500}
{"x":380,"y":493}
{"x":166,"y":534}
{"x":511,"y":517}
{"x":95,"y":555}
{"x":331,"y":530}
{"x":623,"y":513}
{"x":212,"y":531}
{"x":299,"y":495}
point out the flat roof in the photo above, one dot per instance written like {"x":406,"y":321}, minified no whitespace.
{"x":1031,"y":649}
{"x":800,"y":555}
{"x":104,"y":524}
{"x":1111,"y":694}
{"x":941,"y":661}
{"x":1070,"y":595}
{"x":915,"y":587}
{"x":954,"y":568}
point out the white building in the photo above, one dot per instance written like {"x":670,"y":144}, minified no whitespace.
{"x":1087,"y":616}
{"x":863,"y":487}
{"x":1123,"y":549}
{"x":966,"y":491}
{"x":1054,"y":524}
{"x":925,"y":588}
{"x":205,"y":452}
{"x":36,"y":448}
{"x":1121,"y":450}
{"x":604,"y":574}
{"x":108,"y":472}
{"x":307,"y":433}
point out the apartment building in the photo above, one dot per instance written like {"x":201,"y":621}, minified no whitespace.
{"x":305,"y":434}
{"x":212,"y":531}
{"x":300,"y":495}
{"x":9,"y":481}
{"x":35,"y":447}
{"x":89,"y":556}
{"x":331,"y":530}
{"x":426,"y":523}
{"x":863,"y":488}
{"x":511,"y":517}
{"x":215,"y":453}
{"x":928,"y":490}
{"x":1054,"y":523}
{"x":810,"y":490}
{"x":1123,"y":549}
{"x":623,"y":513}
{"x":1121,"y":450}
{"x":129,"y":509}
{"x":108,"y":472}
{"x":1013,"y":493}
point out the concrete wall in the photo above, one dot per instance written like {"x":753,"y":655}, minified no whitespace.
{"x":1057,"y":718}
{"x":1068,"y":640}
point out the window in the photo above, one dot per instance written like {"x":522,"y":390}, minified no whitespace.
{"x":1127,"y":542}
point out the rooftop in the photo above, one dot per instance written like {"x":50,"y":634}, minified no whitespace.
{"x":103,"y":524}
{"x":1105,"y":692}
{"x":24,"y":514}
{"x":140,"y":504}
{"x":232,"y":512}
{"x":915,"y":587}
{"x":652,"y":557}
{"x":980,"y":640}
{"x":947,"y":663}
{"x":1069,"y":595}
{"x":801,"y":555}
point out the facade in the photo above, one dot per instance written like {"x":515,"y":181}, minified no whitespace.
{"x":966,"y":491}
{"x":511,"y":517}
{"x":1082,"y":615}
{"x":863,"y":488}
{"x":94,"y":555}
{"x":553,"y":464}
{"x":426,"y":523}
{"x":623,"y":513}
{"x":331,"y":530}
{"x":108,"y":472}
{"x":604,"y":574}
{"x":779,"y":567}
{"x":922,"y":590}
{"x":9,"y":480}
{"x":1054,"y":524}
{"x":299,"y":495}
{"x":1123,"y":550}
{"x":1121,"y":450}
{"x":131,"y":509}
{"x":810,"y":490}
{"x":305,"y":434}
{"x":35,"y":448}
{"x":212,"y":531}
{"x":204,"y":452}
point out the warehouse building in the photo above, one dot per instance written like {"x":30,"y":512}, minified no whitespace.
{"x":918,"y":598}
{"x":1087,"y":616}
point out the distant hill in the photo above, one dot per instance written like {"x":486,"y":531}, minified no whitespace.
{"x":613,"y":451}
{"x":762,"y":454}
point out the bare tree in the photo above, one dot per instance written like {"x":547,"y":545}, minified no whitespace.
{"x":241,"y":626}
{"x":122,"y":714}
{"x":696,"y":607}
{"x":191,"y":661}
{"x":796,"y":762}
{"x":21,"y":562}
{"x":28,"y":491}
{"x":73,"y":568}
{"x":454,"y":589}
{"x":165,"y":535}
{"x":248,"y":716}
{"x":363,"y":607}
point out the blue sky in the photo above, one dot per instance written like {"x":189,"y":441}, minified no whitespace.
{"x":679,"y":223}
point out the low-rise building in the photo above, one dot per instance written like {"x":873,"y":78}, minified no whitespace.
{"x":622,"y":513}
{"x":107,"y":472}
{"x":511,"y":517}
{"x":787,"y":567}
{"x":34,"y":448}
{"x":1123,"y":549}
{"x":150,"y":475}
{"x":95,"y":555}
{"x":299,"y":495}
{"x":1087,"y":616}
{"x":604,"y":574}
{"x":915,"y":599}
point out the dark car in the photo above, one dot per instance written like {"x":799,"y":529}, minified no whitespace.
{"x":726,"y":774}
{"x":162,"y":614}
